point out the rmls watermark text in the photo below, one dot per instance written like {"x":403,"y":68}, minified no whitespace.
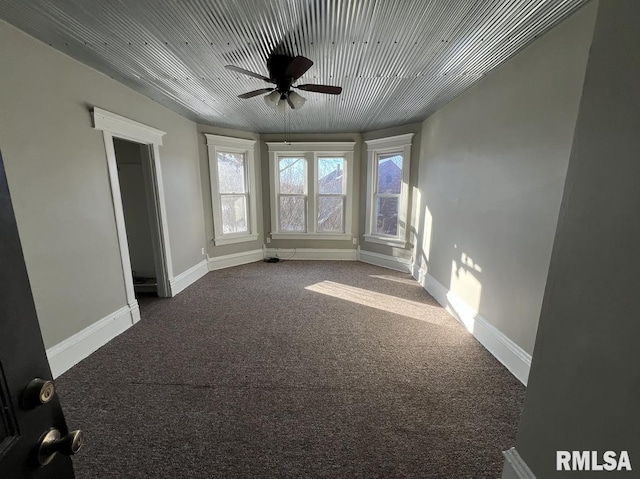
{"x":592,"y":461}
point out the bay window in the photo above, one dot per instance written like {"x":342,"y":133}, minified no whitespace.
{"x":311,"y":190}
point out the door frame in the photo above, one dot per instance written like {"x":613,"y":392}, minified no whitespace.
{"x":116,"y":126}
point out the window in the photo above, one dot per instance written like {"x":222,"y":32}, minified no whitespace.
{"x":231,"y":167}
{"x":388,"y":190}
{"x":331,"y":194}
{"x":311,"y":190}
{"x":292,"y":187}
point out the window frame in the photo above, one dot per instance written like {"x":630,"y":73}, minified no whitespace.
{"x":304,"y":194}
{"x":311,"y":152}
{"x":225,"y":144}
{"x":401,"y":145}
{"x":343,"y":195}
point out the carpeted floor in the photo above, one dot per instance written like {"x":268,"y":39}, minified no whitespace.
{"x":293,"y":369}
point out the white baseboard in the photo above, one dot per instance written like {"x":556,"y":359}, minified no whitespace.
{"x":312,"y":254}
{"x":135,"y":312}
{"x":514,"y":358}
{"x":385,"y":261}
{"x":187,"y":278}
{"x":236,"y":259}
{"x":74,"y":349}
{"x":515,"y":467}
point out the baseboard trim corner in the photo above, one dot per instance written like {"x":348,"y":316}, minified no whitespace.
{"x":512,"y":356}
{"x":236,"y":259}
{"x":385,"y":261}
{"x":188,"y":277}
{"x":66,"y":354}
{"x":515,"y":467}
{"x":315,"y":254}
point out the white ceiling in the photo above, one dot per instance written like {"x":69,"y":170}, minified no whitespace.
{"x":398,"y":61}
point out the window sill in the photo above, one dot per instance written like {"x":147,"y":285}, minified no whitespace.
{"x":234,"y":239}
{"x":395,"y":242}
{"x":312,"y":236}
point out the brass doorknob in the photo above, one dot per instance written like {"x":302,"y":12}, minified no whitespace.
{"x":37,"y":393}
{"x":52,"y":443}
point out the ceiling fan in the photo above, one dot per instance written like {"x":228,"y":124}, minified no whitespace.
{"x":284,"y":71}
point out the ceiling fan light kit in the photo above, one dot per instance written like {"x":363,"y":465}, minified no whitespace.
{"x":275,"y":101}
{"x":284,"y":71}
{"x":295,"y":100}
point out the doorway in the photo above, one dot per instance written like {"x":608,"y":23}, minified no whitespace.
{"x":135,"y":192}
{"x":142,"y":143}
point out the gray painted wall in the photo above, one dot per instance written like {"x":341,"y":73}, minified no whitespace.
{"x":585,"y":378}
{"x":212,"y":249}
{"x":134,"y":203}
{"x":57,"y":171}
{"x":491,"y":174}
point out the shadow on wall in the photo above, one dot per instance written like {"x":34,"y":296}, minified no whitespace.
{"x":458,"y":288}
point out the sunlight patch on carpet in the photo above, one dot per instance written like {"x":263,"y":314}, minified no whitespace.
{"x":383,"y":302}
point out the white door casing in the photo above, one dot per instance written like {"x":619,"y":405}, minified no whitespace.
{"x":116,"y":126}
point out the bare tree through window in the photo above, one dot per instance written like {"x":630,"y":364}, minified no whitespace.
{"x":233,"y":192}
{"x":292,"y":177}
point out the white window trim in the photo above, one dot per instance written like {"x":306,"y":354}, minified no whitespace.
{"x":311,"y":151}
{"x":215,"y":144}
{"x":400,"y":144}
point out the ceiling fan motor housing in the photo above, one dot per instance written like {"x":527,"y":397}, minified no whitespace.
{"x":284,"y":71}
{"x":277,"y":66}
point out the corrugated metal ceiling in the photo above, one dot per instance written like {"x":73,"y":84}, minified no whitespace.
{"x":398,"y":61}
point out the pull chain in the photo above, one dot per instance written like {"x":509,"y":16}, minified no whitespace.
{"x":287,"y":124}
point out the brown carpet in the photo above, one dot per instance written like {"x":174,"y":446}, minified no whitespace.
{"x":293,"y":369}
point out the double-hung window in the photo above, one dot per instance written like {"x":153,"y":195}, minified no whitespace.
{"x":233,"y":199}
{"x":311,"y":190}
{"x":331,"y":194}
{"x":292,"y":194}
{"x":388,"y":190}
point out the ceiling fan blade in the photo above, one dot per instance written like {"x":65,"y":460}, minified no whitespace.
{"x":298,"y":66}
{"x":331,"y":90}
{"x":247,"y":72}
{"x":253,"y":93}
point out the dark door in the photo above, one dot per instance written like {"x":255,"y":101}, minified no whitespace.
{"x":28,"y":415}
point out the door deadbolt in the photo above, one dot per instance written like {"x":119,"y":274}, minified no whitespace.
{"x":52,"y":443}
{"x":37,"y":393}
